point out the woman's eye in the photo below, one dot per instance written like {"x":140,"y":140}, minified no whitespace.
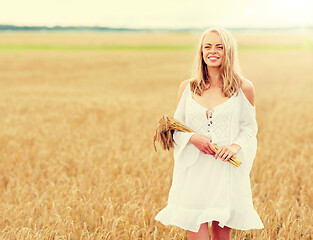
{"x":220,"y":47}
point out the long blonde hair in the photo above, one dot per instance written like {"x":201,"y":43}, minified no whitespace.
{"x":230,"y":70}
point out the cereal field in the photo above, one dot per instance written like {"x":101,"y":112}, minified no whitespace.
{"x":78,"y":113}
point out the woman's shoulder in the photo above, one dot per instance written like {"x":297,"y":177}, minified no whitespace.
{"x":181,"y":89}
{"x":183,"y":84}
{"x":248,"y":90}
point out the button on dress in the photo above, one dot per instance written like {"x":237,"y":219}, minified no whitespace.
{"x":204,"y":188}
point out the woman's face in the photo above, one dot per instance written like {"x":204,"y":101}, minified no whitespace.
{"x":213,"y":50}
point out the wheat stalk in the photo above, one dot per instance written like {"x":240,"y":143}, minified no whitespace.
{"x":164,"y":135}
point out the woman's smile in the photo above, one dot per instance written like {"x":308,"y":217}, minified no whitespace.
{"x":213,"y":58}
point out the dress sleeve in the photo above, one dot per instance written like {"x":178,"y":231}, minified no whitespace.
{"x":185,"y":153}
{"x":247,"y":134}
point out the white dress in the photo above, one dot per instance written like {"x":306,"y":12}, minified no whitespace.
{"x":204,"y":188}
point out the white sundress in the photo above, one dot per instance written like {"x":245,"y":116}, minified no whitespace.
{"x":204,"y":188}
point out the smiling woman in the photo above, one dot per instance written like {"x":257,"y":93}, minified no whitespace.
{"x":218,"y":105}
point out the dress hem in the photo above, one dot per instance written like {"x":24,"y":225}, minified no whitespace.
{"x":191,"y":219}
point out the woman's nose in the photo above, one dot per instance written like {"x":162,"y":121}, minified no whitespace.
{"x":212,"y":51}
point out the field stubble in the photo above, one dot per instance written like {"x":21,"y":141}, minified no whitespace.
{"x":77,"y":160}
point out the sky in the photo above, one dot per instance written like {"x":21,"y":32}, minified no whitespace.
{"x":159,"y":13}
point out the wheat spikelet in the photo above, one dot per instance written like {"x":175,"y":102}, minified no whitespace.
{"x":165,"y":130}
{"x":164,"y":135}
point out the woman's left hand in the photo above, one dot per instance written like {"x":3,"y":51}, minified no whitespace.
{"x":226,"y":152}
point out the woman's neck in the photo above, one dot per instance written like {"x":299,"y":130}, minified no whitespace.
{"x":215,"y":77}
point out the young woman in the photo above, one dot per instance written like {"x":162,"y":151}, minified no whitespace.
{"x":218,"y":104}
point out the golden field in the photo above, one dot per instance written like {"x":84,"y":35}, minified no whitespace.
{"x":77,"y":159}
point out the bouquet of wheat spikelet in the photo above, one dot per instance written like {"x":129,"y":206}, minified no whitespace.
{"x":164,"y":135}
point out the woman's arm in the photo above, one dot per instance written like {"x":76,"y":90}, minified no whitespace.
{"x":248,"y":128}
{"x":181,"y":137}
{"x":185,"y":154}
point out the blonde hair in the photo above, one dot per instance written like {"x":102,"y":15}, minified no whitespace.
{"x":230,"y":70}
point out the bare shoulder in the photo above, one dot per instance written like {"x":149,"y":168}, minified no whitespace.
{"x":181,"y":89}
{"x":248,"y":89}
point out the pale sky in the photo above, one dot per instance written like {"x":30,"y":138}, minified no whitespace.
{"x":159,"y":13}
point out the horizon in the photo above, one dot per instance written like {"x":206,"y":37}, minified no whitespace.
{"x":103,"y":27}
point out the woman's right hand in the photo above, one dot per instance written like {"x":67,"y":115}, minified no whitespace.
{"x":203,"y":143}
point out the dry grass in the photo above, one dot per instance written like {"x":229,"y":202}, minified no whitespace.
{"x":77,"y":159}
